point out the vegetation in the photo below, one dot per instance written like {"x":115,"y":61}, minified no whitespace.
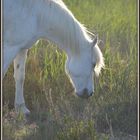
{"x":56,"y":113}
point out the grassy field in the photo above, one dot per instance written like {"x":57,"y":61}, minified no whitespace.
{"x":56,"y":113}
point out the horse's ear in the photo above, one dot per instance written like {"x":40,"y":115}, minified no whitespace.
{"x":95,"y":41}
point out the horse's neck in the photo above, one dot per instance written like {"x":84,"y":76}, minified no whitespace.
{"x":59,"y":25}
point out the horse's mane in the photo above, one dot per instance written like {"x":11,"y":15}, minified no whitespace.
{"x":81,"y":25}
{"x":83,"y":32}
{"x":77,"y":32}
{"x":73,"y":31}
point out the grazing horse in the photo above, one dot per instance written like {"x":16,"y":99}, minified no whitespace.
{"x":26,"y":21}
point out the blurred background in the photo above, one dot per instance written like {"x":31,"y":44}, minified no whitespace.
{"x":56,"y":113}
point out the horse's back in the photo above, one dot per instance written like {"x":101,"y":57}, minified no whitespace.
{"x":19,"y":22}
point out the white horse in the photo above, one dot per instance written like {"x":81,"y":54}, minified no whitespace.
{"x":26,"y":21}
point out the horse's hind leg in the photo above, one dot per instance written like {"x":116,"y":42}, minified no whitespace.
{"x":19,"y":75}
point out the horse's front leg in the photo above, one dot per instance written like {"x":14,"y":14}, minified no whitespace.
{"x":19,"y":75}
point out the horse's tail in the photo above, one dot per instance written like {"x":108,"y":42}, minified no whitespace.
{"x":99,"y":59}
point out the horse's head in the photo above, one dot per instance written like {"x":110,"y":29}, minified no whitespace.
{"x":80,"y":69}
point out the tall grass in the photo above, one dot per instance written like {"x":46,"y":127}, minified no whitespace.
{"x":56,"y":113}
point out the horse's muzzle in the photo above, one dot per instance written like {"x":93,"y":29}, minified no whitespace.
{"x":85,"y":93}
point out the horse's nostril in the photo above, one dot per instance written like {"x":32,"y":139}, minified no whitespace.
{"x":85,"y":91}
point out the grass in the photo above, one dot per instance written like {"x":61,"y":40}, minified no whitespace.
{"x":56,"y":113}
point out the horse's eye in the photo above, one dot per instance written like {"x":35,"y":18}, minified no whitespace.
{"x":94,"y":64}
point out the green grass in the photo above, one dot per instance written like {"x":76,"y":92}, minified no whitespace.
{"x":56,"y":113}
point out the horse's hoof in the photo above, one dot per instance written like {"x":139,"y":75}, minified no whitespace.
{"x":27,"y":114}
{"x":28,"y":117}
{"x":26,"y":111}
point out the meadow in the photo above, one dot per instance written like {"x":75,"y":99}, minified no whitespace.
{"x":56,"y":112}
